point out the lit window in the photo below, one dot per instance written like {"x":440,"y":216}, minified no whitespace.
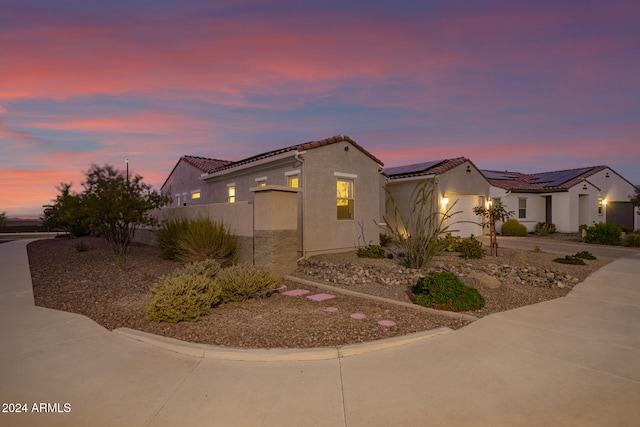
{"x":262,"y":184}
{"x":345,"y":198}
{"x":195,"y":195}
{"x":262,"y":181}
{"x":177,"y":200}
{"x":293,"y":181}
{"x":231,"y":194}
{"x":600,"y":206}
{"x":522,"y":208}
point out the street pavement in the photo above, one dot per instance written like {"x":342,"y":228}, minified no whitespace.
{"x":573,"y":361}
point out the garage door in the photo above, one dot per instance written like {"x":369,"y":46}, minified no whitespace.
{"x":466,"y":220}
{"x":620,"y":213}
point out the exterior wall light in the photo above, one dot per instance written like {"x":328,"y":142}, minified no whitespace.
{"x":445,"y":202}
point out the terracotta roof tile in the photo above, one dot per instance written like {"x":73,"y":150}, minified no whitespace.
{"x":204,"y":164}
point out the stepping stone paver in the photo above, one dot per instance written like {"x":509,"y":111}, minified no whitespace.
{"x":358,"y":316}
{"x":387,"y":323}
{"x":320,"y":297}
{"x":331,"y":309}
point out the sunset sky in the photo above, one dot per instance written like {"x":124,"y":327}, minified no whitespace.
{"x":528,"y":86}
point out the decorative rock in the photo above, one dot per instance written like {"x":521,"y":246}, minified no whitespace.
{"x":331,"y":309}
{"x":358,"y":316}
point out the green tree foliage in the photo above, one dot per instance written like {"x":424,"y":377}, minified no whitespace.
{"x":491,"y":214}
{"x":3,"y":218}
{"x":112,"y":204}
{"x":635,"y":199}
{"x":416,"y":231}
{"x":68,"y":213}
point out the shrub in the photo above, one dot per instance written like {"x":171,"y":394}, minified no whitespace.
{"x":244,"y":281}
{"x":385,"y":239}
{"x":168,"y":236}
{"x":206,"y":239}
{"x":545,"y":228}
{"x":570,"y":259}
{"x":585,"y":255}
{"x":208,"y":268}
{"x":182,"y":296}
{"x":603,"y":234}
{"x":470,"y":248}
{"x":449,"y":243}
{"x":81,"y":246}
{"x":371,"y":251}
{"x":445,"y":291}
{"x":513,"y":228}
{"x":632,"y":239}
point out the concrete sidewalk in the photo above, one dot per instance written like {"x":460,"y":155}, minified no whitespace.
{"x":570,"y":361}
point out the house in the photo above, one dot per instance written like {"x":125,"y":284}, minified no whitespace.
{"x":459,"y":184}
{"x":338,"y":184}
{"x":566,"y":198}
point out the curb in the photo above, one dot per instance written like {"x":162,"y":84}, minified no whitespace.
{"x":206,"y":351}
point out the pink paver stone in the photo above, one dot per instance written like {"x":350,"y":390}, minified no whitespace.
{"x":320,"y":297}
{"x":282,"y":288}
{"x":358,"y":316}
{"x":296,"y":292}
{"x":386,"y":323}
{"x":331,"y":309}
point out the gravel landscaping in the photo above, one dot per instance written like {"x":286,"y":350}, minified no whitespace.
{"x":90,"y":283}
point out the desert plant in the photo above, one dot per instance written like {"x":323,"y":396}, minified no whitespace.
{"x":204,"y":239}
{"x":371,"y":251}
{"x":603,"y":234}
{"x":632,"y":239}
{"x":585,"y":255}
{"x":208,"y":268}
{"x":491,"y":213}
{"x":545,"y":228}
{"x":385,"y":239}
{"x":242,"y":282}
{"x":168,"y":236}
{"x":470,"y":248}
{"x":416,"y":230}
{"x":81,"y":246}
{"x":445,"y":291}
{"x":536,"y":248}
{"x":182,"y":296}
{"x":570,"y":259}
{"x":513,"y":228}
{"x":449,"y":243}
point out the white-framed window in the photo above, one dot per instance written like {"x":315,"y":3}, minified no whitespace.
{"x":262,"y":181}
{"x":497,"y":201}
{"x":195,"y":194}
{"x":231,"y":193}
{"x":600,"y":206}
{"x":293,"y":178}
{"x":345,"y":198}
{"x":177,"y":199}
{"x":522,"y":208}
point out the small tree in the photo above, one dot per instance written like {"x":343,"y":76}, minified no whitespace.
{"x":3,"y":218}
{"x":117,"y":206}
{"x":68,"y":212}
{"x":491,"y":214}
{"x":635,"y":199}
{"x":417,"y":232}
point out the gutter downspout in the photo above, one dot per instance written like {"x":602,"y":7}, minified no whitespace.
{"x":298,"y":157}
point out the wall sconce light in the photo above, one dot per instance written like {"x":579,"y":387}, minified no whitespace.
{"x":604,"y":202}
{"x":445,"y":201}
{"x":489,"y":203}
{"x":468,"y":169}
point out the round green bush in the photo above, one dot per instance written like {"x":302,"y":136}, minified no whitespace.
{"x":242,"y":282}
{"x":513,"y":228}
{"x":182,"y":296}
{"x":445,"y":291}
{"x":470,"y":248}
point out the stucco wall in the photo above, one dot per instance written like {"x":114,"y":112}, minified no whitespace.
{"x":183,"y":181}
{"x":323,"y":232}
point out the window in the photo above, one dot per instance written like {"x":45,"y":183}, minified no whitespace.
{"x":195,"y":194}
{"x":600,"y":206}
{"x":522,"y":208}
{"x":293,"y":181}
{"x":345,"y":198}
{"x":497,"y":202}
{"x":177,"y":200}
{"x":262,"y":181}
{"x":231,"y":193}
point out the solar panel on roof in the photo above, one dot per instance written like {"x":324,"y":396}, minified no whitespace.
{"x":555,"y":179}
{"x":498,"y":175}
{"x":414,"y":168}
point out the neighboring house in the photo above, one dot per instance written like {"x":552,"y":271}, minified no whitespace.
{"x":458,"y":183}
{"x":566,"y":198}
{"x":339,"y":202}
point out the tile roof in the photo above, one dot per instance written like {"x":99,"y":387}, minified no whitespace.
{"x":204,"y":164}
{"x":298,"y":147}
{"x":541,"y":182}
{"x":436,"y":167}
